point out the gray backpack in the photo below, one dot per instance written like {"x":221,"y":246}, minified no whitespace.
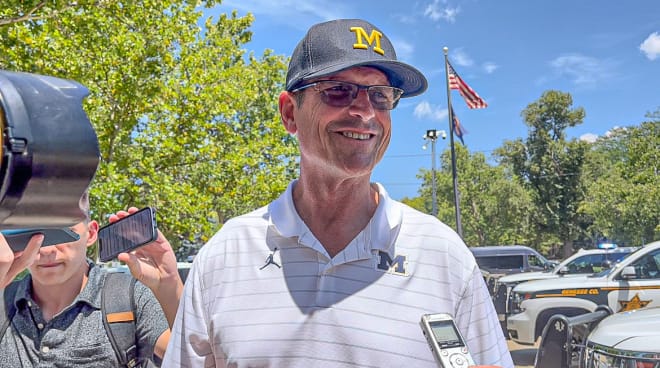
{"x":117,"y":306}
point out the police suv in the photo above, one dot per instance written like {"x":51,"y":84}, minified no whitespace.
{"x":585,"y":261}
{"x":628,"y":339}
{"x":633,"y":283}
{"x":496,"y":261}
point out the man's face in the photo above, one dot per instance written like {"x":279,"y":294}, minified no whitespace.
{"x":340,"y":141}
{"x":57,"y":264}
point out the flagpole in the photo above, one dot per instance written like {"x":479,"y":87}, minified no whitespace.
{"x":459,"y":226}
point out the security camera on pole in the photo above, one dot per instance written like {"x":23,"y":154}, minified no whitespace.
{"x":432,"y":135}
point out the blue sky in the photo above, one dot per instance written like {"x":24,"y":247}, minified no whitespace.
{"x":605,"y":53}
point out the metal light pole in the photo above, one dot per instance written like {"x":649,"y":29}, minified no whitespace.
{"x":432,"y":135}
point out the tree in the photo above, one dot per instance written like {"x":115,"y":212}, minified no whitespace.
{"x":623,"y":181}
{"x":494,"y":208}
{"x":186,"y":120}
{"x":550,"y":166}
{"x":18,"y":11}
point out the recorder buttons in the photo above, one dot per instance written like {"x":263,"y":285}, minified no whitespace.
{"x":458,"y":361}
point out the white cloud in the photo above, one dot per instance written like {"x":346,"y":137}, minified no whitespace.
{"x":651,"y":46}
{"x":490,"y":67}
{"x":460,"y":57}
{"x":582,"y":70}
{"x":592,"y":137}
{"x":589,"y":137}
{"x":437,"y":11}
{"x":610,"y":132}
{"x":424,"y":110}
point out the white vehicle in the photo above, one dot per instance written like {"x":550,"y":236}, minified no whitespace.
{"x":628,"y":339}
{"x":631,"y":284}
{"x":496,"y":261}
{"x":585,"y":261}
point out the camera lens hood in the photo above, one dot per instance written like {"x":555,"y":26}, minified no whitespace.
{"x":50,"y":151}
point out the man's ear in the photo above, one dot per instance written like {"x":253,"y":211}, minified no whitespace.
{"x":92,"y":232}
{"x":287,"y":107}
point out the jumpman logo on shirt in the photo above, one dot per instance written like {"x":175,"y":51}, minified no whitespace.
{"x":270,"y":260}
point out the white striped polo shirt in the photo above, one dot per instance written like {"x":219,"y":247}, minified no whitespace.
{"x":359,"y":309}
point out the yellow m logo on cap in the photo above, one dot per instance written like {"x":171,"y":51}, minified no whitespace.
{"x":372,"y":38}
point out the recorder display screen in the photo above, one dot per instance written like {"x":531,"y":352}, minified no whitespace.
{"x":445,"y":334}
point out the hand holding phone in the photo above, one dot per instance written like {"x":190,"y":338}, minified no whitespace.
{"x":127,"y":234}
{"x":13,"y":263}
{"x":446,"y":343}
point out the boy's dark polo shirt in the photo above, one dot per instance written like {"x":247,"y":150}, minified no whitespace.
{"x":75,"y":337}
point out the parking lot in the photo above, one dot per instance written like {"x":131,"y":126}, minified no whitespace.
{"x":523,"y":355}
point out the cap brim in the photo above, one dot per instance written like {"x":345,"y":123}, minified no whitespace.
{"x":400,"y":75}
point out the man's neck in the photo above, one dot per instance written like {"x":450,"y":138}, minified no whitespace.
{"x":52,"y":299}
{"x":335,"y":215}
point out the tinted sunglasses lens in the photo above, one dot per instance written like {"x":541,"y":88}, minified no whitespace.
{"x":341,"y":94}
{"x":383,"y":97}
{"x":338,"y":94}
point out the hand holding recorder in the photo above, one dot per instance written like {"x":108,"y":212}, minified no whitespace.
{"x":446,"y":343}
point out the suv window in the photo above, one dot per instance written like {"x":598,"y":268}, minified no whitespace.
{"x":586,"y":264}
{"x":612,"y":258}
{"x":648,"y":267}
{"x":535,"y":261}
{"x":515,"y":261}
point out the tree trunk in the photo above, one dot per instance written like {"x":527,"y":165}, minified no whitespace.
{"x":568,"y":248}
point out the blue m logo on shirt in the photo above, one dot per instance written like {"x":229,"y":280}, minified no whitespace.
{"x":396,"y":266}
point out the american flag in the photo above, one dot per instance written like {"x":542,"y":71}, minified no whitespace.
{"x":457,"y":127}
{"x":471,"y":97}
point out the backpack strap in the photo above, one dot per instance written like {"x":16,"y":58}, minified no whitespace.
{"x":118,"y":306}
{"x":7,"y":308}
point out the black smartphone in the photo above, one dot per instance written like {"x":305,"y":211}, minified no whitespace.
{"x":18,"y":238}
{"x":128,"y":233}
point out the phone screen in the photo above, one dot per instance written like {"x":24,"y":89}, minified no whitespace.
{"x":127,"y":234}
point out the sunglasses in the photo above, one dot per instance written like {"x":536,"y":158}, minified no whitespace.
{"x":341,"y":94}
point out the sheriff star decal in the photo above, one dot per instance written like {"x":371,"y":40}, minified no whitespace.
{"x":632,"y":304}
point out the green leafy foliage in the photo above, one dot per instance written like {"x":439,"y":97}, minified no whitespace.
{"x":550,"y":166}
{"x":494,"y":208}
{"x":550,"y":192}
{"x":623,"y":181}
{"x":187,"y":121}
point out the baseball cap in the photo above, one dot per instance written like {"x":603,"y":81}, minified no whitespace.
{"x":333,"y":46}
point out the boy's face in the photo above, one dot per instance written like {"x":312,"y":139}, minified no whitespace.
{"x":57,"y":264}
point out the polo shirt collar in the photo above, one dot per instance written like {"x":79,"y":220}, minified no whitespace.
{"x":91,"y":293}
{"x":382,"y":229}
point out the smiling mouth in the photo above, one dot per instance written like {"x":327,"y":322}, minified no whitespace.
{"x":49,"y":265}
{"x":358,"y":136}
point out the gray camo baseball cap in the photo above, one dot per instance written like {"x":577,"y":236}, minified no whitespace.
{"x":333,"y":46}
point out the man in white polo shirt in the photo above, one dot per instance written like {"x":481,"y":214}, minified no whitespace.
{"x":334,"y":273}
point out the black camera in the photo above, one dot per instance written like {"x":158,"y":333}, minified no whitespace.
{"x":49,"y":151}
